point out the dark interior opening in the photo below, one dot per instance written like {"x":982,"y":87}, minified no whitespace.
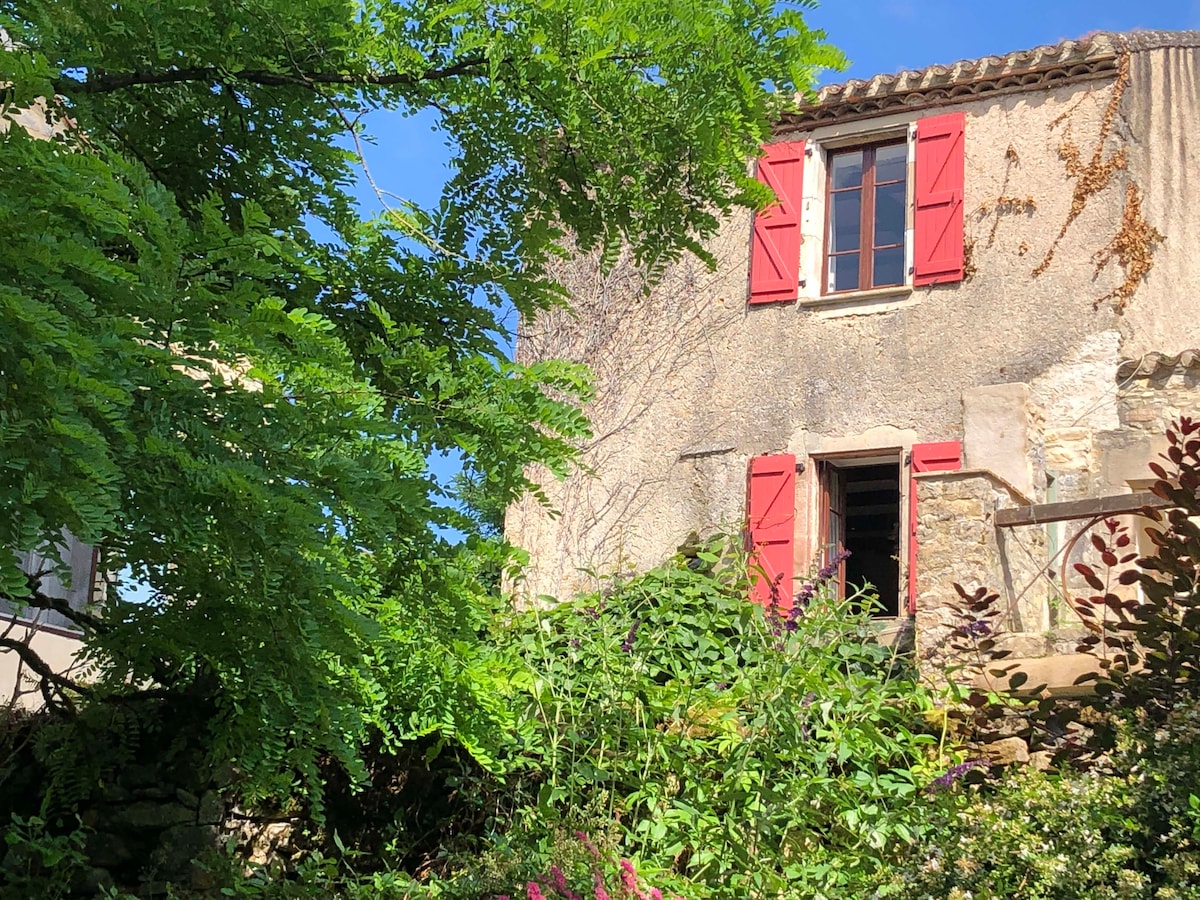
{"x":873,"y":532}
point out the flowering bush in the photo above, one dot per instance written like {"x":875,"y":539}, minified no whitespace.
{"x":1034,"y":835}
{"x":1130,"y":827}
{"x":745,"y":751}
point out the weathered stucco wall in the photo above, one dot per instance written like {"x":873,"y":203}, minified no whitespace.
{"x":692,"y":382}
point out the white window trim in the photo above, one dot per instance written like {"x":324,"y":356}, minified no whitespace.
{"x":819,"y":144}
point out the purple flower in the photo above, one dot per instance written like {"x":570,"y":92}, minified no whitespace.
{"x":952,"y":775}
{"x":629,"y":880}
{"x":558,"y":881}
{"x":627,"y":644}
{"x":800,"y":601}
{"x":978,"y":628}
{"x":830,"y":569}
{"x":575,"y":643}
{"x":587,"y":844}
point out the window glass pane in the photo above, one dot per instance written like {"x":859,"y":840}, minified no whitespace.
{"x":889,"y":267}
{"x":845,"y":213}
{"x":847,"y":169}
{"x":889,"y":214}
{"x":890,"y":163}
{"x":843,"y":272}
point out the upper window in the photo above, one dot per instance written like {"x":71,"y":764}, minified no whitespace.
{"x":867,"y":195}
{"x":851,"y":222}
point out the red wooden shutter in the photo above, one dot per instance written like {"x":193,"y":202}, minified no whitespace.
{"x":938,"y":227}
{"x":771,"y":527}
{"x":775,"y":243}
{"x":944,"y":456}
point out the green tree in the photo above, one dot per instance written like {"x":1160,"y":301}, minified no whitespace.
{"x":222,"y":373}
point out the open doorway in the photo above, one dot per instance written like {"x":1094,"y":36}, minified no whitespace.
{"x":860,"y":512}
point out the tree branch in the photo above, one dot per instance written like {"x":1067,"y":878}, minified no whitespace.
{"x":38,"y":600}
{"x":105,"y":83}
{"x":39,"y":667}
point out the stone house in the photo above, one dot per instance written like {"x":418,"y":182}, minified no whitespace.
{"x":955,"y":340}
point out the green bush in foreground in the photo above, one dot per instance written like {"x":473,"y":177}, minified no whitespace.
{"x":1130,"y":828}
{"x":747,"y":753}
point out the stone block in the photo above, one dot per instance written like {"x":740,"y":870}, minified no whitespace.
{"x":1068,"y":450}
{"x":211,"y":809}
{"x":999,"y":422}
{"x":1042,"y":760}
{"x":1024,"y":644}
{"x":1007,"y":751}
{"x":150,"y":814}
{"x":180,"y":845}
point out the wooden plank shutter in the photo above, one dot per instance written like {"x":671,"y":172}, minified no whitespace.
{"x":771,"y":528}
{"x":943,"y":456}
{"x":775,"y":242}
{"x":938,"y":226}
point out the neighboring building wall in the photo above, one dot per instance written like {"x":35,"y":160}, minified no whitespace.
{"x":68,"y":574}
{"x":60,"y":650}
{"x":1079,"y":228}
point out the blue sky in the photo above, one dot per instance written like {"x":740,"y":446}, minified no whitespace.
{"x":892,"y":35}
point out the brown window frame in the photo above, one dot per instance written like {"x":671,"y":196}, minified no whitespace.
{"x":834,"y":513}
{"x":866,"y":222}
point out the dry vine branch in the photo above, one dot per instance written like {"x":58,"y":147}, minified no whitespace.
{"x":1093,"y":176}
{"x":1133,"y":248}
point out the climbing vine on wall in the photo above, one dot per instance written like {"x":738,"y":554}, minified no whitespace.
{"x":1133,"y":248}
{"x":1095,"y":175}
{"x":1134,"y":244}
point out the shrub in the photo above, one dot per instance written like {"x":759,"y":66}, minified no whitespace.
{"x":1130,"y":827}
{"x":755,"y":754}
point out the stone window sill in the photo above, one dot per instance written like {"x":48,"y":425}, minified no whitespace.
{"x":858,"y":303}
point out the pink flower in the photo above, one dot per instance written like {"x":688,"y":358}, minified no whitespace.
{"x":534,"y":891}
{"x":558,"y":881}
{"x":600,"y":892}
{"x":655,"y":894}
{"x":629,"y":880}
{"x":587,"y":843}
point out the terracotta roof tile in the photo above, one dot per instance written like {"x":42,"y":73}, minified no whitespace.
{"x":1089,"y":57}
{"x":1153,"y":364}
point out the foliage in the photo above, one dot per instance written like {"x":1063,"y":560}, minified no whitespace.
{"x":1128,"y":829}
{"x":754,"y":755}
{"x":221,"y":373}
{"x":1149,"y":645}
{"x":1130,"y":825}
{"x":38,"y":863}
{"x":1033,"y":836}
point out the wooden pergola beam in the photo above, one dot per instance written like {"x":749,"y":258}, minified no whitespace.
{"x":1042,"y":513}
